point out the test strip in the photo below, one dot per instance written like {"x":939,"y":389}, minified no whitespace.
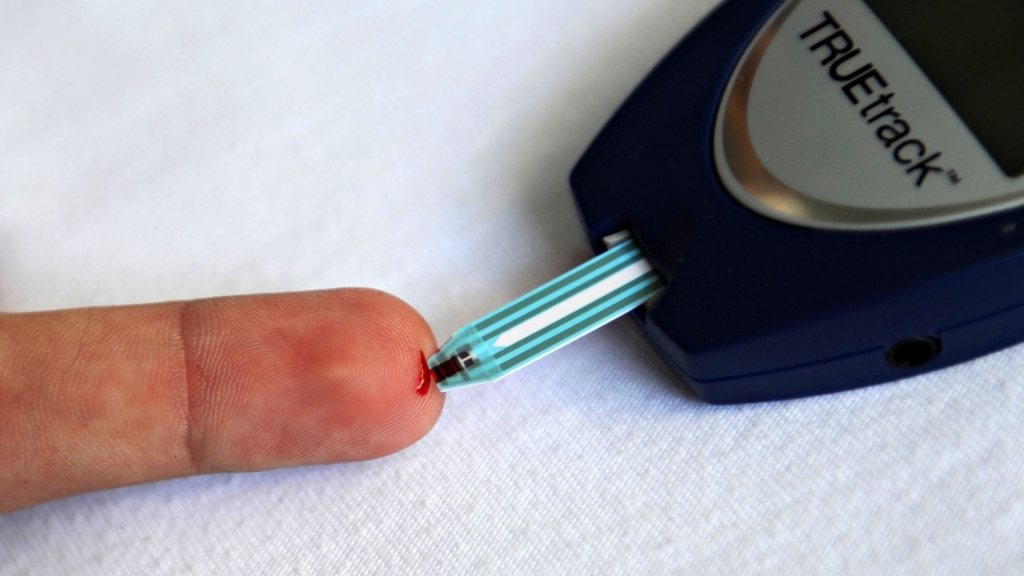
{"x":547,"y":318}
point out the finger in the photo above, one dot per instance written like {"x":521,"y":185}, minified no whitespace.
{"x":103,"y":397}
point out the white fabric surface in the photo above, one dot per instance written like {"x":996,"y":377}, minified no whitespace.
{"x":153,"y":151}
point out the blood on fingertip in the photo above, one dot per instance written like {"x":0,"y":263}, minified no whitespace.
{"x":426,"y":376}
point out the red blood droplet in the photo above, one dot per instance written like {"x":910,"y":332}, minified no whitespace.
{"x":426,"y":376}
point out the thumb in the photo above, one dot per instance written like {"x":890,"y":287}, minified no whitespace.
{"x":102,"y":397}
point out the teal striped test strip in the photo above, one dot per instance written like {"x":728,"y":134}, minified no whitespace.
{"x":544,"y":320}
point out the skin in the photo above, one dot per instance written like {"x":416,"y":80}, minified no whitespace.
{"x":103,"y":397}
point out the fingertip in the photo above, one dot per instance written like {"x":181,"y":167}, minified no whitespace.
{"x":401,"y":403}
{"x":406,"y":394}
{"x":311,"y":378}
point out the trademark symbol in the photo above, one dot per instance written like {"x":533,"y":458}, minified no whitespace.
{"x":953,"y":176}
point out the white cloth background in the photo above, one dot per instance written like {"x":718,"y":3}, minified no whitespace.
{"x":168,"y":150}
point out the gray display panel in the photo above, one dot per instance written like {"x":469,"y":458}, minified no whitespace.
{"x":828,"y":121}
{"x":973,"y":53}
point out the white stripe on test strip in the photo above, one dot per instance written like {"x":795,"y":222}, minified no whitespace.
{"x":573,"y":303}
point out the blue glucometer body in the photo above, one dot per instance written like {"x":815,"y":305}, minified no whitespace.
{"x":832,"y":188}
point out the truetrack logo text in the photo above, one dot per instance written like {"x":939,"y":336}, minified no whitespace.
{"x":842,"y":57}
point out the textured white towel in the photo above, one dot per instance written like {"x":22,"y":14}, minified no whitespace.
{"x":166,"y":150}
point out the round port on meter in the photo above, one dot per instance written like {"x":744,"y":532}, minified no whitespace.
{"x":914,"y":352}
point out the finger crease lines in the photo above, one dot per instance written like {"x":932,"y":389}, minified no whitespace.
{"x":192,"y":440}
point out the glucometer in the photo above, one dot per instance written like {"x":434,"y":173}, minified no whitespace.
{"x":832,"y":191}
{"x":805,"y":196}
